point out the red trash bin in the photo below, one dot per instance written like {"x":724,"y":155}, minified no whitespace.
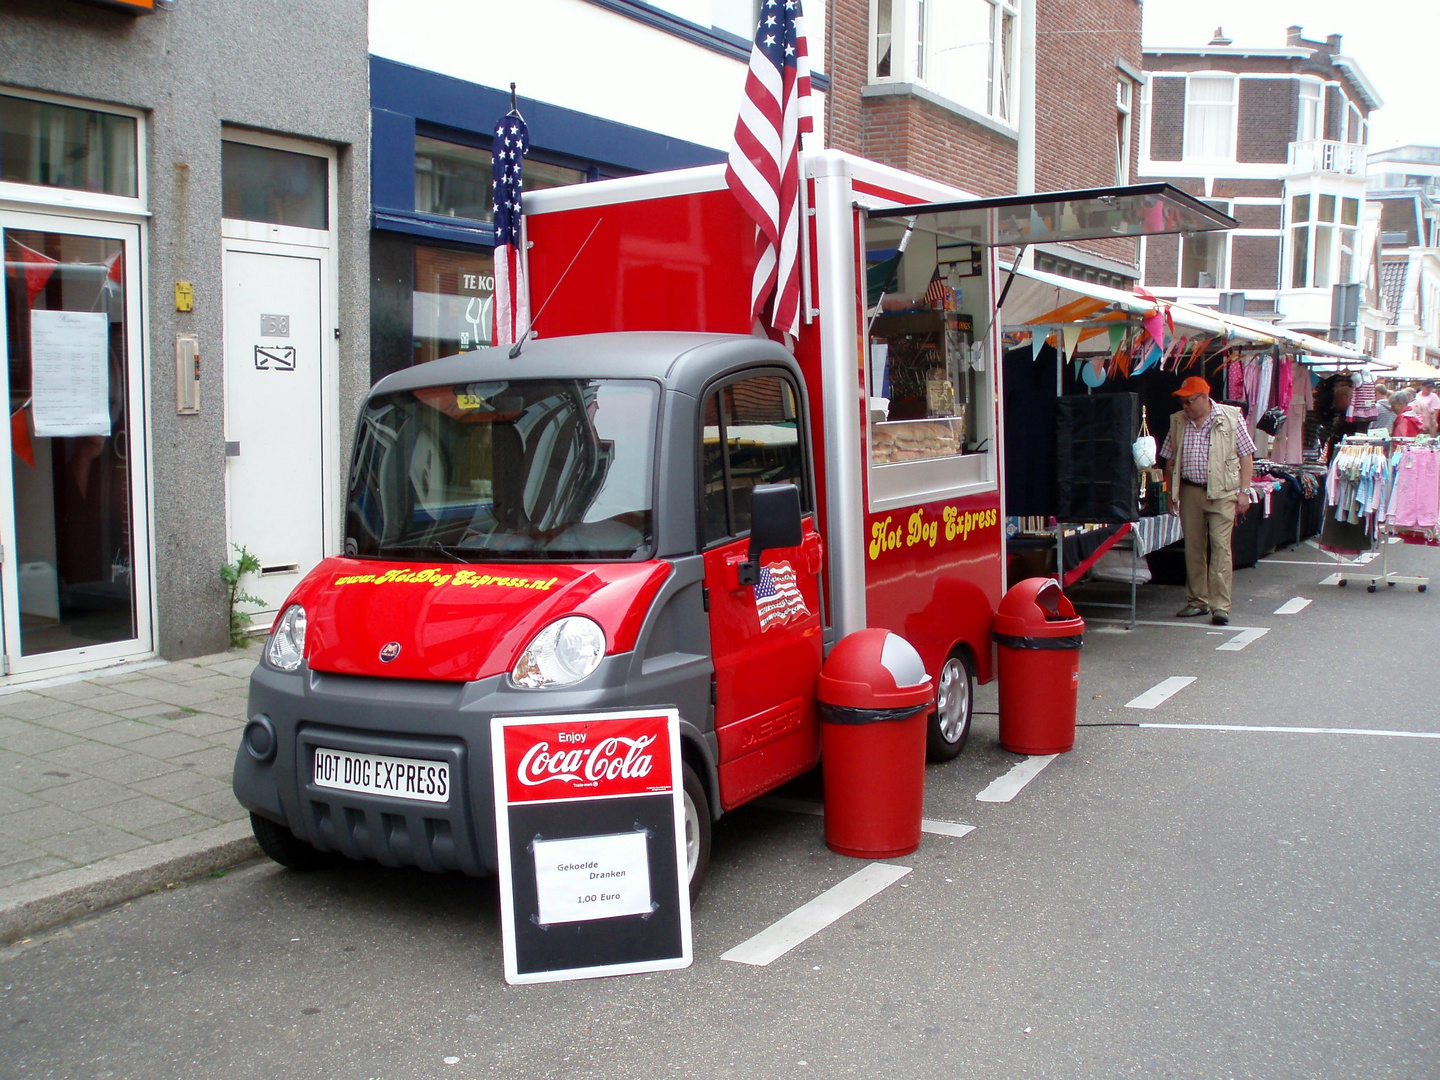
{"x":1038,"y":638}
{"x":875,"y":696}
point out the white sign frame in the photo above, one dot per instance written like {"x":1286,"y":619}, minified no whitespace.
{"x":504,"y":853}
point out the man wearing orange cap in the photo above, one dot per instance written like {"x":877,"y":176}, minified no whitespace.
{"x":1211,"y":460}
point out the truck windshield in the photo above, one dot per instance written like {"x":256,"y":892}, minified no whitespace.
{"x":517,"y":469}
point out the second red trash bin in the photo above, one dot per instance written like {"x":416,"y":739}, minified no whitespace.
{"x":875,"y":696}
{"x":1038,"y":638}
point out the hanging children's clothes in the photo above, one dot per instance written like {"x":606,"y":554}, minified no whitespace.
{"x":1415,"y":500}
{"x":1290,"y":439}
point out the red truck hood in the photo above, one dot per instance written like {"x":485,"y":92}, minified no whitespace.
{"x":459,"y":622}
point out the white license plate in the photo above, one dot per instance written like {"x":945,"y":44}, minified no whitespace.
{"x":397,"y":778}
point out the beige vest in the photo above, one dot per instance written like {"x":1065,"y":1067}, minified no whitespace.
{"x":1224,"y":466}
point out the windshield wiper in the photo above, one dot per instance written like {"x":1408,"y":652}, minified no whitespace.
{"x":452,"y":553}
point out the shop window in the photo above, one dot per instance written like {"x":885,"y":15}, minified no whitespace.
{"x":454,"y":180}
{"x":278,"y":187}
{"x":452,"y":302}
{"x":66,"y":147}
{"x":750,"y":432}
{"x":1210,"y":117}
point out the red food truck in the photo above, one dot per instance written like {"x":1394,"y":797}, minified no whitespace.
{"x":651,"y":502}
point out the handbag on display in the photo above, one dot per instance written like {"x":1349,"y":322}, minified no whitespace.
{"x":1144,"y":446}
{"x":1271,"y":420}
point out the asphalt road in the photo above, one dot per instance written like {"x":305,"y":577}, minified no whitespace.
{"x":1160,"y":902}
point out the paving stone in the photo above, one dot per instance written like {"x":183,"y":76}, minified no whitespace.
{"x":209,"y":727}
{"x":222,"y":684}
{"x":32,"y":868}
{"x":181,"y":673}
{"x":122,"y":731}
{"x":168,"y":744}
{"x":75,"y":719}
{"x":110,"y":701}
{"x":70,"y":691}
{"x":91,"y":843}
{"x":86,"y":794}
{"x":127,"y":768}
{"x":235,"y":708}
{"x":181,"y":826}
{"x":220,"y":805}
{"x":36,"y":774}
{"x":216,"y":761}
{"x":135,"y":814}
{"x":86,"y":756}
{"x":28,"y":706}
{"x":14,"y":851}
{"x":13,"y":799}
{"x":35,"y":740}
{"x":173,"y":693}
{"x":140,"y":712}
{"x":41,"y":822}
{"x":240,"y":669}
{"x":180,"y":786}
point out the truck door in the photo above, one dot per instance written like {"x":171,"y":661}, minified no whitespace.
{"x":765,"y":638}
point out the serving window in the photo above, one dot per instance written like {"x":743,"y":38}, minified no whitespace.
{"x":929,"y":377}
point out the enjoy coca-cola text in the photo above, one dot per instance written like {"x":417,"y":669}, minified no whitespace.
{"x":618,"y":758}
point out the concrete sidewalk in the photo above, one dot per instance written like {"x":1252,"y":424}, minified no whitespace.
{"x":118,"y":783}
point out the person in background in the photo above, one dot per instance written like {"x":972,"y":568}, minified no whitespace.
{"x":1427,"y":401}
{"x":1211,"y":459}
{"x":1384,"y":413}
{"x":1407,"y":421}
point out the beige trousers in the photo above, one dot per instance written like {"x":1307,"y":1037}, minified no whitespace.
{"x":1209,"y":567}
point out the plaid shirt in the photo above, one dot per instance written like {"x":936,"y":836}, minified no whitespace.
{"x":1195,"y":449}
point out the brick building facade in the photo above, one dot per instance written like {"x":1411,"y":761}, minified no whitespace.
{"x":1276,"y":138}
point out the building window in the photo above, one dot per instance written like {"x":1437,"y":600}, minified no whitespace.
{"x":1210,"y":117}
{"x":455,"y":180}
{"x":66,"y":147}
{"x":738,"y":17}
{"x":1124,"y":92}
{"x":1203,"y":257}
{"x":1324,"y":231}
{"x":452,"y":303}
{"x":963,"y":50}
{"x":1311,"y":96}
{"x":279,"y":187}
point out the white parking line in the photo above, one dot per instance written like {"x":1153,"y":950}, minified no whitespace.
{"x":1195,"y":623}
{"x":1240,"y":640}
{"x":1160,"y":692}
{"x":1333,"y":579}
{"x":1008,"y":786}
{"x":801,"y":806}
{"x":1294,"y":606}
{"x":1300,"y":730}
{"x":809,"y":919}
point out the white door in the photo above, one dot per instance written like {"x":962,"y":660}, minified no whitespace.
{"x":275,"y":356}
{"x":74,"y":531}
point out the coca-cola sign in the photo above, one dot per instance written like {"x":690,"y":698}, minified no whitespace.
{"x":576,"y":759}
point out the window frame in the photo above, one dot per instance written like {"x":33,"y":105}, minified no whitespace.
{"x":240,"y":229}
{"x":1312,"y":104}
{"x":43,"y":195}
{"x":807,"y":486}
{"x":1222,"y":282}
{"x":1233,"y":105}
{"x":1124,"y":126}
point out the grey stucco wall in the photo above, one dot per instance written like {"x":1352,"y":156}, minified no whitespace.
{"x":288,"y":67}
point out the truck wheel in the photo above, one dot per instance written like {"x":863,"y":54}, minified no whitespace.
{"x":954,"y":701}
{"x":286,"y":848}
{"x":697,"y":830}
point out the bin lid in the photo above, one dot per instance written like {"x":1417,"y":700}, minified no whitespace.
{"x":1037,"y":607}
{"x":875,"y":669}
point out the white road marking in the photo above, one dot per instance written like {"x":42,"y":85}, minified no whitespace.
{"x":814,"y":809}
{"x":1160,"y":692}
{"x":1294,"y":606}
{"x":1197,"y":622}
{"x":1240,"y":640}
{"x":1301,"y":730}
{"x":1008,"y":786}
{"x":1365,"y":557}
{"x":1327,"y":554}
{"x":809,"y":919}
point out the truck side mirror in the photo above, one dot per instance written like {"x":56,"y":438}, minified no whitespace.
{"x":774,"y":523}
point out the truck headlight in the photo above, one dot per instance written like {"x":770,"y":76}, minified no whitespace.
{"x":563,"y":653}
{"x":286,"y":647}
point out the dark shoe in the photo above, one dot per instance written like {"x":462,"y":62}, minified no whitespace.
{"x":1189,"y":611}
{"x":1220,"y":618}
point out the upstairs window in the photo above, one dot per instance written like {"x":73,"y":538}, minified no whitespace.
{"x":966,"y":51}
{"x":66,"y":147}
{"x":1124,"y":94}
{"x":1311,"y":96}
{"x":457,"y":181}
{"x":1203,"y":262}
{"x":1210,"y":118}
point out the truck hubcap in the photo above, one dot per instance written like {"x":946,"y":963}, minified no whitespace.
{"x":953,"y":700}
{"x":692,"y":837}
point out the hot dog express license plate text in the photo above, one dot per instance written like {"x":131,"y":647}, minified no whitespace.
{"x":399,"y":778}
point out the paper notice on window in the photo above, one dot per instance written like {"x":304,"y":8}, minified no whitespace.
{"x":70,"y":373}
{"x":592,"y":877}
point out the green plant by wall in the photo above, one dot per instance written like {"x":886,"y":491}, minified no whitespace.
{"x":232,"y":574}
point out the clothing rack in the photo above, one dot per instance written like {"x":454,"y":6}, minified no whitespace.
{"x":1383,"y":535}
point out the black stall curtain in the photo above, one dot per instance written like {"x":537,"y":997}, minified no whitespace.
{"x":1030,"y":432}
{"x":1096,"y":478}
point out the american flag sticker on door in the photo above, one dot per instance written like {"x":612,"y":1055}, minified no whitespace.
{"x":777,"y":597}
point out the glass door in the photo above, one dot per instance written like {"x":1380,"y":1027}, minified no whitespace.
{"x":74,"y":580}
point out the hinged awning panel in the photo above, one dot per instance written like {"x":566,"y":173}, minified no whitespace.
{"x":1065,"y":216}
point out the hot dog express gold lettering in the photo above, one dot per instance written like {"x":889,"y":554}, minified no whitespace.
{"x":917,"y":528}
{"x":437,"y":578}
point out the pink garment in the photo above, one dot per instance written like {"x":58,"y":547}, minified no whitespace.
{"x":1416,"y":501}
{"x":1287,"y":382}
{"x":1234,"y":385}
{"x":1289,"y":444}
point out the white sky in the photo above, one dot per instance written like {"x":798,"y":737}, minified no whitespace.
{"x":1393,"y":41}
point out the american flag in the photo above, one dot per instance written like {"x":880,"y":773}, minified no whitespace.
{"x":935,"y":291}
{"x":777,"y":597}
{"x":764,"y":166}
{"x":512,"y":294}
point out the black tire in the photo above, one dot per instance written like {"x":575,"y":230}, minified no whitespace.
{"x":949,"y":724}
{"x":286,"y":848}
{"x":696,"y":836}
{"x":1343,"y":583}
{"x":1369,"y":588}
